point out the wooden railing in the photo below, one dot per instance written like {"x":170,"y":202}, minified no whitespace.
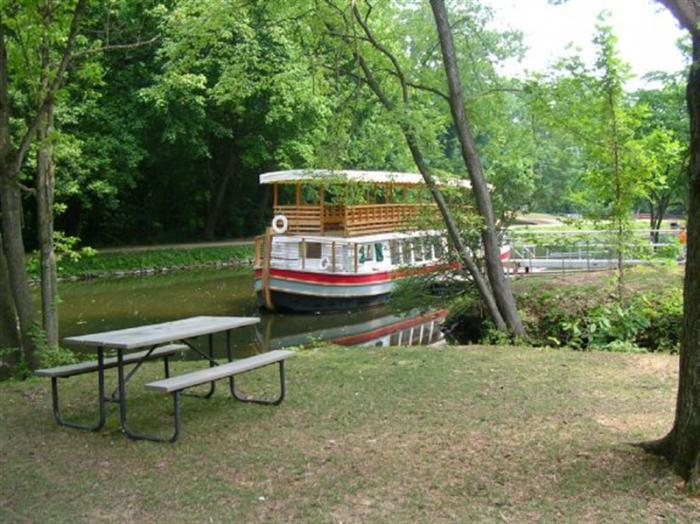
{"x":302,"y":219}
{"x":381,"y":218}
{"x":352,"y":220}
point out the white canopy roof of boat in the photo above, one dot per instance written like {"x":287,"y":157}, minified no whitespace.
{"x":347,"y":176}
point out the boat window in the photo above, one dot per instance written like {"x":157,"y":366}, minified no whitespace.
{"x":366,"y":253}
{"x":428,"y":249}
{"x":438,"y":247}
{"x":379,"y":252}
{"x":313,"y":250}
{"x":395,"y":252}
{"x":407,"y":252}
{"x":418,"y":250}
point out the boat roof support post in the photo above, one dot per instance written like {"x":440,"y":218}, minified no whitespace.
{"x":298,"y":194}
{"x":322,"y":203}
{"x":275,"y":194}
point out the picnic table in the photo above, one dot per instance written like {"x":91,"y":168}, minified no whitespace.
{"x":162,"y":341}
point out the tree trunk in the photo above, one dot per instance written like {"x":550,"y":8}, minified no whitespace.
{"x":218,"y":195}
{"x":682,"y":445}
{"x":44,"y":198}
{"x":492,"y":251}
{"x":9,"y":337}
{"x":452,"y":229}
{"x":652,"y":222}
{"x":11,"y":203}
{"x":686,"y":428}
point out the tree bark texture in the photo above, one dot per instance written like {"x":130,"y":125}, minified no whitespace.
{"x":11,"y":218}
{"x":686,"y":428}
{"x":492,"y":251}
{"x":9,"y":336}
{"x":45,"y":181}
{"x":682,"y":445}
{"x":15,"y":256}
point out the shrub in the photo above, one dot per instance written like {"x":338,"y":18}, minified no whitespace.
{"x":589,"y":318}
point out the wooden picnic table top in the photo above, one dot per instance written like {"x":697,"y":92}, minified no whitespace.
{"x":150,"y":335}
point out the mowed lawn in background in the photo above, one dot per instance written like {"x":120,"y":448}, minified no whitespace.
{"x":366,"y":435}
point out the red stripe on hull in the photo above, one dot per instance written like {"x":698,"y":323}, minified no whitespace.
{"x":335,"y":279}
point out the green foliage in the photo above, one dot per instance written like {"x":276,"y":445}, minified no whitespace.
{"x":586,"y":318}
{"x":128,"y":261}
{"x":66,"y":251}
{"x":12,"y":360}
{"x":48,"y":356}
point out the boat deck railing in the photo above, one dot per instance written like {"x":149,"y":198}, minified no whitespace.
{"x":352,"y":220}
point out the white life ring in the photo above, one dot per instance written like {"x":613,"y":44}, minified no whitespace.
{"x":324,"y":263}
{"x":280,"y":224}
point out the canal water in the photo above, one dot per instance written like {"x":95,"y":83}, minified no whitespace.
{"x":101,"y":305}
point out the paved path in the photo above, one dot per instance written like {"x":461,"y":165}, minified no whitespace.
{"x":192,"y":245}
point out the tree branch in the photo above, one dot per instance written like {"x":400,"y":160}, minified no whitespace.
{"x":53,"y":87}
{"x":115,"y":47}
{"x":379,"y":47}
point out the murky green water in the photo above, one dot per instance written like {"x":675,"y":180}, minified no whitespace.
{"x":102,"y":305}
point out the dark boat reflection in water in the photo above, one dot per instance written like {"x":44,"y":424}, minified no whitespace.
{"x":408,"y":329}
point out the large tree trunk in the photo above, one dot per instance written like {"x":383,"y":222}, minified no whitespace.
{"x":11,"y":219}
{"x":45,"y":182}
{"x":45,"y":198}
{"x":685,"y":435}
{"x":217,"y":199}
{"x":9,"y":337}
{"x":11,"y":203}
{"x":682,"y":444}
{"x":492,"y":251}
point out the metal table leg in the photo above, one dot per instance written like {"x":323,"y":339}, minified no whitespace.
{"x":275,"y":402}
{"x":212,"y":363}
{"x":100,"y":399}
{"x":122,"y":408}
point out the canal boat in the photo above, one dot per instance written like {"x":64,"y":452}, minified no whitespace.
{"x":341,"y":240}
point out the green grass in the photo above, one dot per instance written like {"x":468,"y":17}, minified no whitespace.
{"x":365,"y":435}
{"x":157,"y":259}
{"x":639,"y":279}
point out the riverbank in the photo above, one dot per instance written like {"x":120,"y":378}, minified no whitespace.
{"x":383,"y":434}
{"x":146,"y":261}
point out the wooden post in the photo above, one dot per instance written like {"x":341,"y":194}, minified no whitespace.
{"x":298,"y":194}
{"x":356,"y":256}
{"x":258,"y":262}
{"x":321,"y":198}
{"x":267,"y":255}
{"x":333,"y":256}
{"x":275,"y":196}
{"x":303,"y":253}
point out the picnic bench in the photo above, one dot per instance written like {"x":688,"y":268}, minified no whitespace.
{"x":163,"y":340}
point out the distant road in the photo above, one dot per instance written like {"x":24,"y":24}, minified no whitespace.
{"x":192,"y":245}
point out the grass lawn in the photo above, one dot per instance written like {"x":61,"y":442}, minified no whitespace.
{"x":366,"y":435}
{"x":639,"y":279}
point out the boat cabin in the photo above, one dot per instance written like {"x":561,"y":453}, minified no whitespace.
{"x":349,"y":203}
